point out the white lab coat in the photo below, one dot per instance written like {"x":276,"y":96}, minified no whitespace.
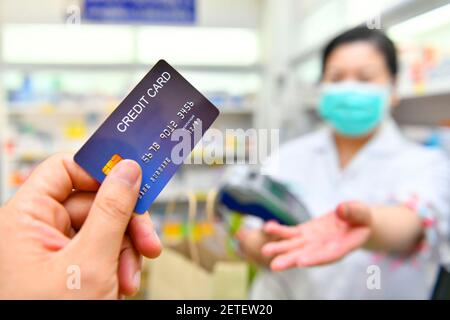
{"x":388,"y":170}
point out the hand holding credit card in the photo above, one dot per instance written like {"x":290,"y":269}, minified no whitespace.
{"x":157,"y":125}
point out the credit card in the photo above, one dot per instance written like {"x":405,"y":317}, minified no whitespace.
{"x":157,"y":125}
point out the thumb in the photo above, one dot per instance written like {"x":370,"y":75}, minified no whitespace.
{"x":355,"y":213}
{"x":112,"y":209}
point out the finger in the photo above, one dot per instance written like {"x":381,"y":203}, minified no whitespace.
{"x":241,"y":234}
{"x":140,"y":228}
{"x":276,"y":248}
{"x":270,"y":224}
{"x":284,"y":261}
{"x":144,"y":236}
{"x":111,"y":211}
{"x":45,"y":209}
{"x":57,"y":177}
{"x":276,"y":229}
{"x":355,"y":213}
{"x":129,"y":272}
{"x":250,"y":244}
{"x":78,"y":206}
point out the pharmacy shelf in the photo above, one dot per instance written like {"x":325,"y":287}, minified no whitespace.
{"x":171,"y":193}
{"x":424,"y":110}
{"x":30,"y":120}
{"x":68,"y":112}
{"x":409,"y":9}
{"x":36,"y":113}
{"x":420,"y":105}
{"x":39,"y":112}
{"x":124,"y":67}
{"x":397,"y":14}
{"x":431,"y":91}
{"x":429,"y":95}
{"x":29,"y":157}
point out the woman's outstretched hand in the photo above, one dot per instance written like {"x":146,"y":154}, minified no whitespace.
{"x":320,"y":241}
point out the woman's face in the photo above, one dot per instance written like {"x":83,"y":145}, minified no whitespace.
{"x":358,"y":61}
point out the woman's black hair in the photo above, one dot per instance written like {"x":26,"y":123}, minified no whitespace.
{"x":378,"y":38}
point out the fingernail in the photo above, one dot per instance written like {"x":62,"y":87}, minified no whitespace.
{"x":127,"y":171}
{"x":276,"y":264}
{"x":156,"y":237}
{"x":137,"y":280}
{"x":346,"y":210}
{"x":342,"y":210}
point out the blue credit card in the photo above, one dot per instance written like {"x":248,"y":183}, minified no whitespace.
{"x":157,"y":125}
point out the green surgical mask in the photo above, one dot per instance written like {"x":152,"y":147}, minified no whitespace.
{"x":354,"y":108}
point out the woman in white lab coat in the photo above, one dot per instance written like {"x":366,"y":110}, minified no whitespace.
{"x":379,"y":202}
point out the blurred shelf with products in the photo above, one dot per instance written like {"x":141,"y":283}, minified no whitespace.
{"x":71,"y":80}
{"x":58,"y":71}
{"x":258,"y":61}
{"x":59,"y":81}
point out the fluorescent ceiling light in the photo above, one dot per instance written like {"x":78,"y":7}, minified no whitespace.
{"x":109,"y":44}
{"x":56,"y":43}
{"x":197,"y":46}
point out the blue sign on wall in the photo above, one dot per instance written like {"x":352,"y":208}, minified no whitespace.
{"x":141,"y":11}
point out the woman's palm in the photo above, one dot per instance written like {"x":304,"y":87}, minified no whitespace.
{"x":320,"y":241}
